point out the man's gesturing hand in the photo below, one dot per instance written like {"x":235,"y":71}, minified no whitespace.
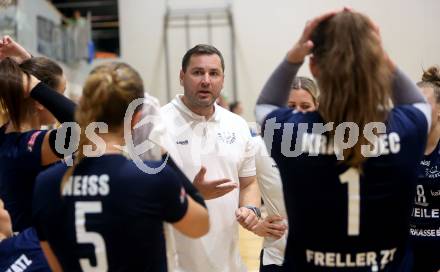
{"x":211,"y":189}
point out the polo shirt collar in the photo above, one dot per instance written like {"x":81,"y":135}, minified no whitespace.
{"x":215,"y":117}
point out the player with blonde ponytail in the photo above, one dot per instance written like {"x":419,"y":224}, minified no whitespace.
{"x":111,"y":212}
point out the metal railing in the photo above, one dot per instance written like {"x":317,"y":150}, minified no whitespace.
{"x":8,"y":18}
{"x":209,"y":18}
{"x":68,"y":42}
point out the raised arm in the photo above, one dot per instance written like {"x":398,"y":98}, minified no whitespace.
{"x":60,"y":106}
{"x":10,"y":48}
{"x":405,"y":91}
{"x":277,"y":88}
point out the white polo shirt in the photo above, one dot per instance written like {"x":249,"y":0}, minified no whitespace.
{"x":271,"y":188}
{"x":223,"y":144}
{"x":151,"y":134}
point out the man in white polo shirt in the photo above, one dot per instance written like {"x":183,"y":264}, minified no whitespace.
{"x":215,"y":149}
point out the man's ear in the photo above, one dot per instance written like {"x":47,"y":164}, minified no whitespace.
{"x":182,"y":73}
{"x":313,"y":66}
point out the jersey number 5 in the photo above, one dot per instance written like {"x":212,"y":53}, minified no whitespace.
{"x":352,"y":178}
{"x":88,"y":237}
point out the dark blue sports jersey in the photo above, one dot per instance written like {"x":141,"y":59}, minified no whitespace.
{"x":425,"y":216}
{"x":339,"y":219}
{"x":22,"y":253}
{"x":110,"y":214}
{"x":20,"y":163}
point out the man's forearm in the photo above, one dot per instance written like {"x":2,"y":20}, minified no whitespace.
{"x":249,"y":192}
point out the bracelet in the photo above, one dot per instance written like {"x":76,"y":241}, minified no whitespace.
{"x":255,"y":210}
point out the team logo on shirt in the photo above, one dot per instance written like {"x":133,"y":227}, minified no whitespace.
{"x":425,"y":163}
{"x":432,"y":172}
{"x":31,"y":142}
{"x":185,"y":142}
{"x":227,"y":137}
{"x":182,"y":195}
{"x":435,"y":193}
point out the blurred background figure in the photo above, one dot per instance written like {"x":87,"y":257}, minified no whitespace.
{"x":76,"y":19}
{"x":222,"y":101}
{"x":236,"y":107}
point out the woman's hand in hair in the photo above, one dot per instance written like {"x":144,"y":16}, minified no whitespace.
{"x":376,"y":31}
{"x":304,"y":45}
{"x":10,"y":48}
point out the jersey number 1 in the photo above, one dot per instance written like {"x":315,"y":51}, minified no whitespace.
{"x":88,"y":237}
{"x":352,"y":178}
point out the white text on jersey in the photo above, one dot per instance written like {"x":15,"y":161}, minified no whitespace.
{"x":360,"y":259}
{"x":20,"y":265}
{"x":87,"y":185}
{"x":384,"y":144}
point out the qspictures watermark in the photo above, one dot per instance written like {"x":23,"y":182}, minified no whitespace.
{"x":317,"y":142}
{"x":296,"y":139}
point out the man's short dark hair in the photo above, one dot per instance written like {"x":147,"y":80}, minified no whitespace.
{"x":201,"y":49}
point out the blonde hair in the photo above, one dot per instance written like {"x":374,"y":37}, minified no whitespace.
{"x":354,"y":78}
{"x":307,"y":84}
{"x":107,"y":93}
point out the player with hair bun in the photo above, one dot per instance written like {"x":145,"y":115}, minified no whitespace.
{"x":425,"y":216}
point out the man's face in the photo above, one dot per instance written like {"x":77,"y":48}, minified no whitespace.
{"x":203,"y":81}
